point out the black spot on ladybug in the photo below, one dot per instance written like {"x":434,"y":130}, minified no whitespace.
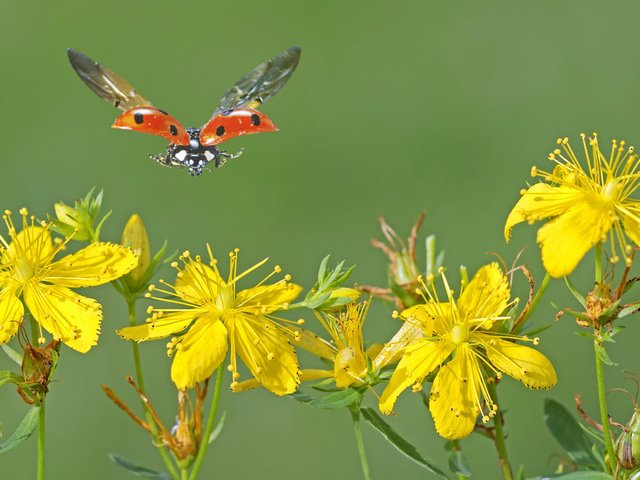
{"x":220,"y":131}
{"x":173,"y":130}
{"x":227,"y":112}
{"x":163,"y":112}
{"x":139,"y":118}
{"x":255,"y":119}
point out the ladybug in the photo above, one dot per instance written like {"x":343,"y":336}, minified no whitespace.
{"x":193,"y":148}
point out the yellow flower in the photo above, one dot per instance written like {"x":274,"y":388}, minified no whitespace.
{"x":215,"y":317}
{"x":28,"y":270}
{"x":346,"y":350}
{"x":462,"y":338}
{"x":586,"y":205}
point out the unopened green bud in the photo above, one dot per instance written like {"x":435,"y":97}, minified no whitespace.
{"x":70,"y":222}
{"x":80,"y":221}
{"x":135,"y":237}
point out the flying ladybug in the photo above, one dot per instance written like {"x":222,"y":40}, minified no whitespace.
{"x":193,"y":148}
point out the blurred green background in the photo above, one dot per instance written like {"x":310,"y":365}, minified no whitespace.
{"x":396,"y":107}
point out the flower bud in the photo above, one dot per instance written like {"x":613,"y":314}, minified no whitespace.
{"x":135,"y":237}
{"x":69,"y":220}
{"x":80,"y":221}
{"x":628,"y":443}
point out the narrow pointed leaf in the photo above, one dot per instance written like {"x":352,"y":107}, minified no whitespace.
{"x":340,"y":399}
{"x":24,"y":430}
{"x":218,"y":430}
{"x":458,"y":464}
{"x":404,"y":447}
{"x":137,"y":469}
{"x":575,"y":292}
{"x":568,"y":433}
{"x":12,"y":354}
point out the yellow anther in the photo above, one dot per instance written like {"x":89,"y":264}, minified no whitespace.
{"x":536,"y":341}
{"x":300,"y":321}
{"x":230,"y":368}
{"x":174,"y":264}
{"x":277,"y":269}
{"x":186,"y":253}
{"x":287,"y":278}
{"x":270,"y":356}
{"x":24,"y":212}
{"x":236,"y":375}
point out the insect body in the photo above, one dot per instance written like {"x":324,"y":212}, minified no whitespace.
{"x":193,"y":148}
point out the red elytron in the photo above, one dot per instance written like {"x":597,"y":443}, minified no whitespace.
{"x":193,"y":148}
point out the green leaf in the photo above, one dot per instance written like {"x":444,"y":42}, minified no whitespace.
{"x":404,"y":447}
{"x":24,"y":430}
{"x":137,"y":469}
{"x":577,"y":476}
{"x":12,"y":354}
{"x":575,"y":292}
{"x":7,"y":376}
{"x":568,"y":433}
{"x":604,"y":356}
{"x":458,"y":463}
{"x":300,"y":397}
{"x":340,"y":399}
{"x":218,"y":430}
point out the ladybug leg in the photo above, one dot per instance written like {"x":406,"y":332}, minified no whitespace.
{"x":223,"y":156}
{"x":164,"y":160}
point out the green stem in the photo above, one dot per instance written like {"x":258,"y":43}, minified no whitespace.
{"x":40,"y":470}
{"x":140,"y":379}
{"x":455,"y":445}
{"x":355,"y":415}
{"x":599,"y":263}
{"x":211,"y":421}
{"x":604,"y":415}
{"x":534,"y":303}
{"x":184,"y":474}
{"x":499,"y":440}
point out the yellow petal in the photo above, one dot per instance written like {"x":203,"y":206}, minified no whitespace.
{"x":267,"y":298}
{"x":69,"y":317}
{"x":525,"y":364}
{"x":11,"y":313}
{"x":200,"y":352}
{"x":566,"y":239}
{"x":631,"y":215}
{"x":487,"y":294}
{"x":168,"y":324}
{"x":392,"y":350}
{"x":541,"y":201}
{"x":314,"y":344}
{"x":95,"y":264}
{"x":349,"y":366}
{"x":266,"y":352}
{"x":454,"y":398}
{"x":419,"y":359}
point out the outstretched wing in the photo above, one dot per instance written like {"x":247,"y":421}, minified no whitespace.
{"x":106,"y":83}
{"x":155,"y":122}
{"x":234,"y":123}
{"x":261,"y":83}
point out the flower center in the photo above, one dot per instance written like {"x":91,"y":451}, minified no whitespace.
{"x":225,"y":299}
{"x":610,"y":191}
{"x":459,"y":333}
{"x":23,"y":270}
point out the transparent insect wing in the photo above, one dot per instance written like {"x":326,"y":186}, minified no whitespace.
{"x":105,"y":83}
{"x":155,"y":122}
{"x":261,"y":83}
{"x":234,"y":123}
